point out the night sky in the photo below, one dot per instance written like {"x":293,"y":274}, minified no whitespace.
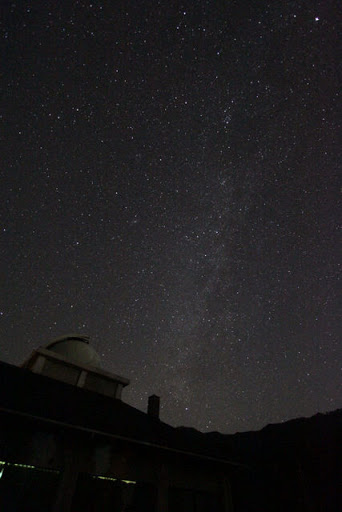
{"x":169,"y":187}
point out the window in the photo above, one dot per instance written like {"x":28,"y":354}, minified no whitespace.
{"x":27,"y":488}
{"x":181,"y":500}
{"x":100,"y":385}
{"x":60,"y":371}
{"x":96,"y":492}
{"x":186,"y":500}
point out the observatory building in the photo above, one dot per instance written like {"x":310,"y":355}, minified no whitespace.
{"x":72,"y":360}
{"x":69,"y":443}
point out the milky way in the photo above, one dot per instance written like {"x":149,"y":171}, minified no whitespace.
{"x":169,"y":187}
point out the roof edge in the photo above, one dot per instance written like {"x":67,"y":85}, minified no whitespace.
{"x":236,"y":465}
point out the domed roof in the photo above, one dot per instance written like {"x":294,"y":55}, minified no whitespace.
{"x":76,"y":348}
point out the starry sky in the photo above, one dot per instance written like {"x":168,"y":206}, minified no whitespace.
{"x":169,"y":187}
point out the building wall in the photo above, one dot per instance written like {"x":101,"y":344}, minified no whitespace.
{"x":87,"y":472}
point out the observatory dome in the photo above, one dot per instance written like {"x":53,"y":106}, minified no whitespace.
{"x":76,"y":348}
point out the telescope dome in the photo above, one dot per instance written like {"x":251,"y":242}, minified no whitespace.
{"x":76,"y":348}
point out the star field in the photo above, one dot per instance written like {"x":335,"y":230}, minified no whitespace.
{"x":169,"y":187}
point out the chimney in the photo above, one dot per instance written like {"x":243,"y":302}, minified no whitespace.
{"x":153,"y":406}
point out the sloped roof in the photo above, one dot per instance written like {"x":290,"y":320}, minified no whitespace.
{"x":24,"y":392}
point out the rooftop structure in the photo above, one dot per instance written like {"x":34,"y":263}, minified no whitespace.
{"x":67,"y":438}
{"x":73,"y":360}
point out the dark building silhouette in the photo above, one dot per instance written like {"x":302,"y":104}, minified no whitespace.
{"x":69,"y":443}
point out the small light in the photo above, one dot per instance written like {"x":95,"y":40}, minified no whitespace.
{"x":99,"y":477}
